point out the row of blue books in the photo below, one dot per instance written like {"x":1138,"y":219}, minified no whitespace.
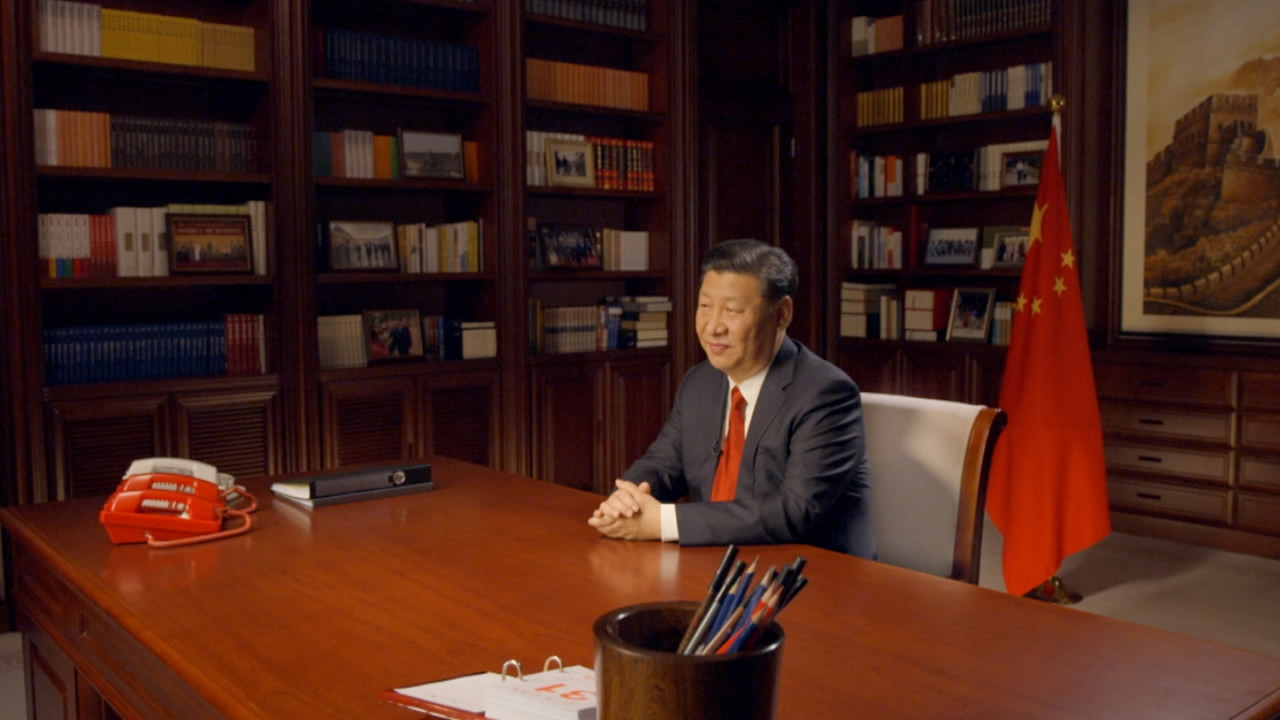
{"x":367,"y":57}
{"x":141,"y":351}
{"x":627,"y":14}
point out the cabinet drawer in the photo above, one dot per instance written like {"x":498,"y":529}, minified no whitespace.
{"x":1260,"y":391}
{"x":1179,"y":386}
{"x":1260,"y":472}
{"x":1153,"y":497}
{"x":1260,"y":513}
{"x":1165,"y":423}
{"x":1260,"y":431}
{"x":1203,"y":465}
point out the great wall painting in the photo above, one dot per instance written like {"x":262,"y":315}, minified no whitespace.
{"x":1209,"y":185}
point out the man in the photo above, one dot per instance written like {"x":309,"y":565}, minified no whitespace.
{"x":802,"y":470}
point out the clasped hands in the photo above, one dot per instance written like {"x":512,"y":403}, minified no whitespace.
{"x":630,"y":513}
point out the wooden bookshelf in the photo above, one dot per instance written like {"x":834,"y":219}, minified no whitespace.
{"x":928,"y":53}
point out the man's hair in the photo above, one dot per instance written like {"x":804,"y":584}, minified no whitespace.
{"x":773,"y":267}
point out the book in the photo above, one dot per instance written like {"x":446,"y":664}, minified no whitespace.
{"x":562,"y":693}
{"x":353,"y":484}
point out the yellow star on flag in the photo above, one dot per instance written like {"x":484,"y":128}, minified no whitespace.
{"x":1068,"y":259}
{"x":1037,"y":219}
{"x":1035,"y":306}
{"x":1022,"y":303}
{"x":1059,"y":286}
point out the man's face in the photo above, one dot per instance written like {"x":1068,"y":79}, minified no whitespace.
{"x":737,"y":327}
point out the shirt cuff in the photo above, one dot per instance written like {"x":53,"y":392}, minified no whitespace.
{"x":670,"y":531}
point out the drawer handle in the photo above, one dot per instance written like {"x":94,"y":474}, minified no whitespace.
{"x":1150,"y":459}
{"x":1150,"y":421}
{"x":1148,"y":496}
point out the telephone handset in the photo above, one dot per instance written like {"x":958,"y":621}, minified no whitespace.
{"x":173,"y":501}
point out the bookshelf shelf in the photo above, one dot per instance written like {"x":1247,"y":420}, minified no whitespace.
{"x":408,"y":185}
{"x":328,"y":87}
{"x":181,"y":386}
{"x":383,"y":278}
{"x":170,"y":281}
{"x":88,"y":64}
{"x":143,"y":174}
{"x":408,"y":368}
{"x":551,"y":23}
{"x":546,"y":106}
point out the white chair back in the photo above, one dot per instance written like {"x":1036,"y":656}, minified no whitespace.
{"x":929,"y":461}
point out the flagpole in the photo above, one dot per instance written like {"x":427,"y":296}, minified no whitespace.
{"x":1054,"y":590}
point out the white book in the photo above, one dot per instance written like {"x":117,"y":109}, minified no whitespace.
{"x":126,"y":241}
{"x":633,"y":250}
{"x":81,"y":241}
{"x":146,"y":242}
{"x":160,"y":240}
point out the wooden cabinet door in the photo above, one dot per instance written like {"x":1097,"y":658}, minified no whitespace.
{"x":51,"y":678}
{"x":568,"y":424}
{"x":367,"y":421}
{"x":874,"y":367}
{"x":462,"y":415}
{"x":91,"y":442}
{"x":933,"y":373}
{"x":638,"y":404}
{"x":238,"y":432}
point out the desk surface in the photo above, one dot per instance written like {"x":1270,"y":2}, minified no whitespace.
{"x":313,"y":613}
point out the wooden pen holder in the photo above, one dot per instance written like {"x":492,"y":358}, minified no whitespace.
{"x":639,"y":676}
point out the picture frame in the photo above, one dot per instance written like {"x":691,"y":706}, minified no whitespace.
{"x":391,"y":335}
{"x":570,"y":247}
{"x":570,"y":163}
{"x":951,"y":247}
{"x":431,"y":155}
{"x":970,"y":318}
{"x":1019,"y":169}
{"x":1010,"y":247}
{"x":362,"y":246}
{"x":209,"y":244}
{"x":1195,"y":242}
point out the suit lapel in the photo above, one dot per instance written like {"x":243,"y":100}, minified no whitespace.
{"x":705,"y":423}
{"x":772,"y":395}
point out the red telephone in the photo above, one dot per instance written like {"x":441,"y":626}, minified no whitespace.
{"x":157,"y":505}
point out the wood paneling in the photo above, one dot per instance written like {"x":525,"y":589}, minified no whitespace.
{"x":93,"y":441}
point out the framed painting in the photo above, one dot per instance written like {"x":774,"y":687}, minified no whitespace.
{"x":1201,"y":234}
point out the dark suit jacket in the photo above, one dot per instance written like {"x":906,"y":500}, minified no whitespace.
{"x":804,"y":475}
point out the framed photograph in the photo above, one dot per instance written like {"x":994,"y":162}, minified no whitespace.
{"x":1198,"y":253}
{"x":431,"y":155}
{"x":1020,"y":168}
{"x":970,"y":314}
{"x":392,"y":335}
{"x":570,"y":246}
{"x":571,"y":163}
{"x":362,"y":245}
{"x":1010,"y":247}
{"x":210,"y":244}
{"x":951,"y":246}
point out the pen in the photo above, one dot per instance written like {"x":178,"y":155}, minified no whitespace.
{"x":730,"y":554}
{"x":712,"y":611}
{"x":740,"y":590}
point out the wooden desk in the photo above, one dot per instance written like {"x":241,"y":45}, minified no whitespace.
{"x":312,"y":614}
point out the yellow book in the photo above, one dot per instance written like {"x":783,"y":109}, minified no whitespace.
{"x":113,"y":32}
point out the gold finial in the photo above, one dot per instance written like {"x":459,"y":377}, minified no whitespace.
{"x":1056,"y":103}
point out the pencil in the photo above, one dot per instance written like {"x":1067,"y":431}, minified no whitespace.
{"x":711,"y":645}
{"x":712,"y":611}
{"x":717,"y":580}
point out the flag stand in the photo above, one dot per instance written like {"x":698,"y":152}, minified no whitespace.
{"x":1053,"y":591}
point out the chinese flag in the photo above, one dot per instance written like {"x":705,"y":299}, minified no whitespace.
{"x":1047,"y":491}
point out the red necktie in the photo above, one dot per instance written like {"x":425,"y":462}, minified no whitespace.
{"x":726,"y":483}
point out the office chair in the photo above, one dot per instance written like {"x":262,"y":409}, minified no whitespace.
{"x":929,"y":465}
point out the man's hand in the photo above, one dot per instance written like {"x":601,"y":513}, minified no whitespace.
{"x":630,"y":513}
